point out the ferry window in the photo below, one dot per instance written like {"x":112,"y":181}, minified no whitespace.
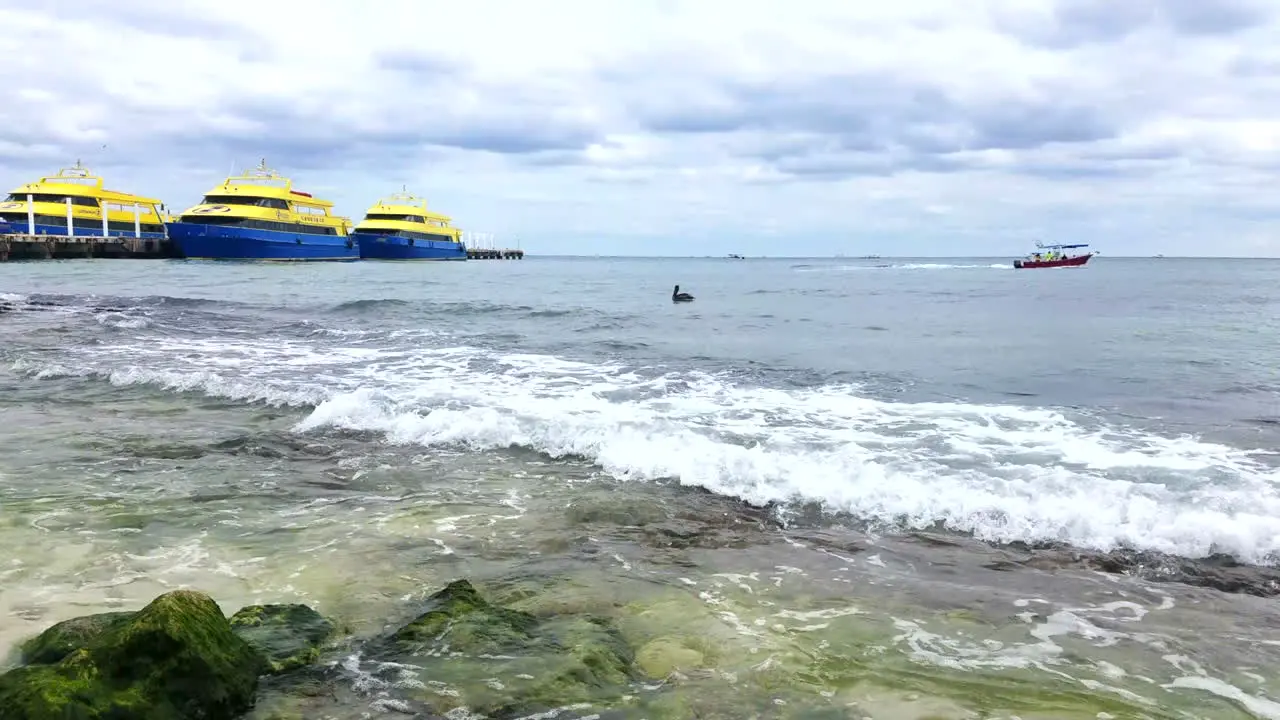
{"x":407,"y":234}
{"x":90,"y":226}
{"x":256,"y":224}
{"x":48,"y":198}
{"x":389,"y":216}
{"x":274,"y":203}
{"x":145,"y":211}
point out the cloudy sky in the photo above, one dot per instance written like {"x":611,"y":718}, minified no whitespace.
{"x":685,"y":127}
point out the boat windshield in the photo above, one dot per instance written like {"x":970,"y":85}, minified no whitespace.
{"x":47,"y":197}
{"x":72,"y":180}
{"x":389,"y":216}
{"x":276,"y":203}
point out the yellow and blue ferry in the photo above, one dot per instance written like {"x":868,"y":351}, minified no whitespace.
{"x":74,"y":202}
{"x":400,"y":227}
{"x":259,"y":216}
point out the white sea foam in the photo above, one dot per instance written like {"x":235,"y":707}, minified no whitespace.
{"x":886,"y":265}
{"x":122,"y":320}
{"x":1002,"y":472}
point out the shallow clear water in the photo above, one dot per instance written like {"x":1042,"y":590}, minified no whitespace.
{"x":355,"y":436}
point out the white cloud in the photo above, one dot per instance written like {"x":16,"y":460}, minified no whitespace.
{"x":685,"y":126}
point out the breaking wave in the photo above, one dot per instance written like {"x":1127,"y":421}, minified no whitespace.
{"x":1001,"y":472}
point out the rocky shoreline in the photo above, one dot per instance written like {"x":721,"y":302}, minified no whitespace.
{"x":1218,"y":571}
{"x":178,"y":657}
{"x":676,"y":604}
{"x":181,"y":658}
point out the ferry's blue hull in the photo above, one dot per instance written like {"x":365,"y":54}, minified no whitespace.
{"x":221,"y":242}
{"x":22,"y":228}
{"x":397,"y":247}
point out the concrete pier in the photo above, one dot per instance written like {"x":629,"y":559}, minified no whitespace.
{"x":60,"y":247}
{"x":494,"y":254}
{"x":21,"y":246}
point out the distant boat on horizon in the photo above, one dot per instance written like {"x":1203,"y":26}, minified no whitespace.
{"x":1053,"y":257}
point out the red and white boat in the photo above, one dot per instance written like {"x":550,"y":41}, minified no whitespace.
{"x":1052,"y":256}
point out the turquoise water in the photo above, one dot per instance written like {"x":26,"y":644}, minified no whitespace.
{"x":356,"y":435}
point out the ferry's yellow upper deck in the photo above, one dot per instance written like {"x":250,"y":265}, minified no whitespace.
{"x":405,"y":213}
{"x":88,"y":195}
{"x":264,"y":196}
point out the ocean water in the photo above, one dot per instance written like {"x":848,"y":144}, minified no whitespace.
{"x":354,"y":435}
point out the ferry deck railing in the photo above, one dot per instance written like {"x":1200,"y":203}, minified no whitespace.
{"x":104,"y":209}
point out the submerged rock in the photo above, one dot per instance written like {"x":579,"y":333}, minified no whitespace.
{"x":660,"y":657}
{"x":1220,"y":572}
{"x":176,"y":658}
{"x":287,"y":636}
{"x":472,"y":624}
{"x":497,"y":661}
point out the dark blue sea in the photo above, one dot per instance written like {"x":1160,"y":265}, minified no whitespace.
{"x":355,"y":435}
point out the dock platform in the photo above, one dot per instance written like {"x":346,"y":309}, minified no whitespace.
{"x":59,"y":247}
{"x":494,"y":254}
{"x":66,"y":247}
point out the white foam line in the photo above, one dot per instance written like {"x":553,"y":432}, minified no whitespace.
{"x":1259,"y":707}
{"x":1001,"y":472}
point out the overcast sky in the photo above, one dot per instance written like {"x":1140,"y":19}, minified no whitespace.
{"x":685,"y":127}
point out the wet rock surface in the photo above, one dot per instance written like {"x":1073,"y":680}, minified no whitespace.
{"x":940,"y":549}
{"x":709,"y":523}
{"x":176,"y":658}
{"x":68,"y":636}
{"x":287,"y":636}
{"x":1219,"y":572}
{"x":463,"y":643}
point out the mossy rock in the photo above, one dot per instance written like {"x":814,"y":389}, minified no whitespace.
{"x":68,"y":636}
{"x":176,"y":659}
{"x":471,"y":623}
{"x":584,"y":656}
{"x":662,"y":656}
{"x":501,"y":662}
{"x":288,"y":636}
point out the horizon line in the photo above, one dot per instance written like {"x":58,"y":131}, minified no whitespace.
{"x":883,"y":257}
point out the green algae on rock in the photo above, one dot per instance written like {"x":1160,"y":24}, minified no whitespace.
{"x":177,"y":658}
{"x":68,"y":636}
{"x":472,"y":623}
{"x":287,"y":636}
{"x":662,"y":656}
{"x":496,"y":661}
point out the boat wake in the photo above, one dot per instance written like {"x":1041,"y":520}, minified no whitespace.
{"x":1000,"y":472}
{"x":901,"y":266}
